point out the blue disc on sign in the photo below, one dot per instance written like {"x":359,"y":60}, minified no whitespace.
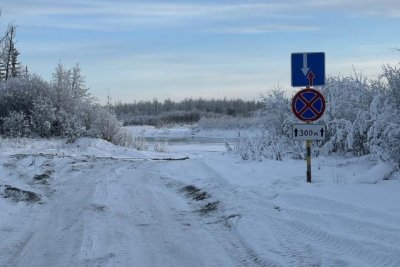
{"x":308,"y":105}
{"x":300,"y":105}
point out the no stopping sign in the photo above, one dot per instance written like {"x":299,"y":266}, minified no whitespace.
{"x":308,"y":105}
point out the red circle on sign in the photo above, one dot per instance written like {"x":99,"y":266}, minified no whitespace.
{"x":308,"y":105}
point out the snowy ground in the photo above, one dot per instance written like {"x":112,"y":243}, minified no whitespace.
{"x":95,"y":204}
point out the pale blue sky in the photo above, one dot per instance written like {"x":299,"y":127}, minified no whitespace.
{"x":141,"y":50}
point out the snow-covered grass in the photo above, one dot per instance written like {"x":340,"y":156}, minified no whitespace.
{"x":103,"y":205}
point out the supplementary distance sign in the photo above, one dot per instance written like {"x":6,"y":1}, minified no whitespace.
{"x":308,"y":69}
{"x":304,"y":132}
{"x":308,"y":105}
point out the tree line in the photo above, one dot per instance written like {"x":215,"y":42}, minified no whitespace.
{"x":186,"y":111}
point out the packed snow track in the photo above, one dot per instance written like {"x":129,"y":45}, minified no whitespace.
{"x":110,"y":212}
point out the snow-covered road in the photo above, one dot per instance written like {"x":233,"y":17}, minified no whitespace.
{"x":121,"y":208}
{"x":114,"y":213}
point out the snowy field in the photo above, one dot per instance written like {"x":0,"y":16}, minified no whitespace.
{"x":95,"y":204}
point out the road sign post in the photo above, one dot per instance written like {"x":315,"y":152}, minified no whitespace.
{"x":308,"y":105}
{"x":308,"y":157}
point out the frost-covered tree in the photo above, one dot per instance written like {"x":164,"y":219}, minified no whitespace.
{"x":70,"y":96}
{"x":79,"y":89}
{"x":9,"y":63}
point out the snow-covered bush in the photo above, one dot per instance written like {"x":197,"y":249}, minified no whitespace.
{"x":43,"y":116}
{"x":391,"y":79}
{"x":276,"y":112}
{"x":71,"y":126}
{"x":347,"y":114}
{"x":16,"y":124}
{"x":271,"y":140}
{"x":392,"y":145}
{"x":267,"y":145}
{"x":384,"y":133}
{"x":125,"y":138}
{"x":18,"y":94}
{"x":104,"y":124}
{"x":363,"y":116}
{"x":160,"y":147}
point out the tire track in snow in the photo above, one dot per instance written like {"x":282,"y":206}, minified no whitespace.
{"x":302,"y":243}
{"x":367,"y":231}
{"x":239,"y":249}
{"x":372,"y":254}
{"x":294,"y":251}
{"x":323,"y":205}
{"x":99,"y":235}
{"x":16,"y":249}
{"x":222,"y":186}
{"x":347,"y":231}
{"x":305,"y":244}
{"x":228,"y":238}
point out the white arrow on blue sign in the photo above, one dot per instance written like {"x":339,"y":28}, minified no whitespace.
{"x":308,"y":69}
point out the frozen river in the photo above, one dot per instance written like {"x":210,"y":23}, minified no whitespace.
{"x":185,"y":138}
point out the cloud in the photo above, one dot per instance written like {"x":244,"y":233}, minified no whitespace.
{"x":381,"y":8}
{"x":107,"y":15}
{"x":145,"y":8}
{"x":101,"y":12}
{"x":270,"y":29}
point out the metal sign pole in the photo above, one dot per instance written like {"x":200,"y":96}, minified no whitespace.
{"x":308,"y":157}
{"x":308,"y":142}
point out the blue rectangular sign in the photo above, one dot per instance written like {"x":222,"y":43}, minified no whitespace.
{"x":308,"y":69}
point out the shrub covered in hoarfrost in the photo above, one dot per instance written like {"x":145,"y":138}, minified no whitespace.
{"x":271,"y":140}
{"x":267,"y":145}
{"x":16,"y":125}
